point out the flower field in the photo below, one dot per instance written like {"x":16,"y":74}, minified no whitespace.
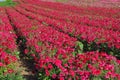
{"x":65,"y":42}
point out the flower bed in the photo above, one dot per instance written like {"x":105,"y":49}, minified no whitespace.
{"x":63,"y":46}
{"x":106,"y":12}
{"x":93,"y":21}
{"x":82,"y":32}
{"x":8,"y":49}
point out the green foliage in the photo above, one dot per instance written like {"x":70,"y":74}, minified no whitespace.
{"x":79,"y":47}
{"x":12,"y":76}
{"x":103,"y":47}
{"x":39,"y":43}
{"x":5,"y":75}
{"x":2,"y":69}
{"x":17,"y":54}
{"x":7,"y":3}
{"x":42,"y":75}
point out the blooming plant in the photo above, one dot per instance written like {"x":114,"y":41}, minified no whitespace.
{"x":103,"y":38}
{"x":65,"y":42}
{"x":63,"y":65}
{"x":9,"y":53}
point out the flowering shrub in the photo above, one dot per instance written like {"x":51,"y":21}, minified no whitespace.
{"x":101,"y":39}
{"x":8,"y":49}
{"x":80,"y":31}
{"x":7,"y":62}
{"x":46,"y":33}
{"x":56,"y":63}
{"x":93,"y":21}
{"x":90,"y":65}
{"x":56,"y":41}
{"x":98,"y":11}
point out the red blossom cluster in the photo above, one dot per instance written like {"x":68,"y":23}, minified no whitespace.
{"x":91,"y":33}
{"x":8,"y":45}
{"x":85,"y":19}
{"x":99,"y":11}
{"x":51,"y":36}
{"x":35,"y":30}
{"x":82,"y":66}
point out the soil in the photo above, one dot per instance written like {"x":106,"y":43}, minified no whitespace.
{"x":27,"y":68}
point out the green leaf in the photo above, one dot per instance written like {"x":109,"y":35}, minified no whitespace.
{"x":79,"y":47}
{"x":39,"y":43}
{"x":97,"y":78}
{"x":74,"y":54}
{"x":46,"y":78}
{"x":17,"y":53}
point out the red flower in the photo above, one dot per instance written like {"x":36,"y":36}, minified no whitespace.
{"x":3,"y":55}
{"x":13,"y":58}
{"x":62,"y":78}
{"x":96,"y":72}
{"x":10,"y":71}
{"x":111,"y":74}
{"x":7,"y":61}
{"x":118,"y":61}
{"x":50,"y":66}
{"x":26,"y":51}
{"x":54,"y":76}
{"x":1,"y":64}
{"x":58,"y":62}
{"x":72,"y":73}
{"x":47,"y":72}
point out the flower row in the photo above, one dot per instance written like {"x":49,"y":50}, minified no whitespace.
{"x":56,"y":63}
{"x":90,"y":34}
{"x":106,"y":23}
{"x":8,"y":47}
{"x":59,"y":61}
{"x":30,"y":28}
{"x":98,"y":11}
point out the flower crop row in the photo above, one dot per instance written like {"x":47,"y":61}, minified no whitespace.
{"x":57,"y":63}
{"x":106,"y":12}
{"x":107,"y":23}
{"x":8,"y":47}
{"x":46,"y":33}
{"x":54,"y":57}
{"x":90,"y":34}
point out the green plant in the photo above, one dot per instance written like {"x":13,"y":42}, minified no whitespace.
{"x":12,"y":76}
{"x":7,"y":3}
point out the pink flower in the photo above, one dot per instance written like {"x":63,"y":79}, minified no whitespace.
{"x":1,"y":64}
{"x":47,"y":72}
{"x":7,"y":61}
{"x":118,"y":76}
{"x":108,"y":74}
{"x":13,"y":58}
{"x":3,"y":55}
{"x":111,"y":74}
{"x":90,"y":67}
{"x":26,"y":51}
{"x":96,"y":72}
{"x":58,"y":62}
{"x":10,"y":71}
{"x":109,"y":67}
{"x":50,"y":66}
{"x":118,"y":61}
{"x":62,"y":78}
{"x":54,"y":76}
{"x":72,"y":73}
